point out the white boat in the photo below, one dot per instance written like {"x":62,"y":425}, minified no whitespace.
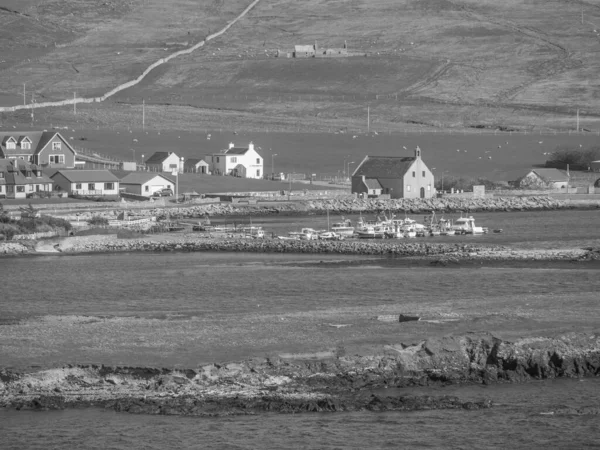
{"x":306,"y":234}
{"x":252,"y":232}
{"x":344,"y":228}
{"x":466,"y":225}
{"x":372,"y":229}
{"x":329,"y":235}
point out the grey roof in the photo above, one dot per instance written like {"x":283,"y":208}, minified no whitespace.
{"x":142,"y":177}
{"x":158,"y":157}
{"x":86,"y":176}
{"x":550,"y":175}
{"x":38,"y":139}
{"x":372,"y":183}
{"x":16,"y":173}
{"x":384,"y":166}
{"x":304,"y":48}
{"x":194,"y":161}
{"x":236,"y":151}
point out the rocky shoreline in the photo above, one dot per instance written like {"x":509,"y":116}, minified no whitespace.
{"x":437,"y":252}
{"x":309,"y":383}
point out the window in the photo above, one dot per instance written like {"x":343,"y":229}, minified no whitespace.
{"x":56,"y":146}
{"x":10,"y":189}
{"x":414,"y":174}
{"x":258,"y":172}
{"x":217,"y":159}
{"x":38,"y":173}
{"x":78,"y":186}
{"x":25,"y":145}
{"x":423,"y":174}
{"x":233,"y":159}
{"x":109,"y":186}
{"x":408,"y":188}
{"x":20,"y":188}
{"x":91,"y":186}
{"x":30,"y":158}
{"x":57,"y":159}
{"x":146,"y":188}
{"x":428,"y":187}
{"x":1,"y":174}
{"x":10,"y":145}
{"x":30,"y":187}
{"x":257,"y":160}
{"x":28,"y":174}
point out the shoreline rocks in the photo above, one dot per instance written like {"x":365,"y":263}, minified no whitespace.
{"x":330,"y":383}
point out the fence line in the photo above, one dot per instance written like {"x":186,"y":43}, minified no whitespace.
{"x":137,"y":80}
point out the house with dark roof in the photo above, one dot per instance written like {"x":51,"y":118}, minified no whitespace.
{"x":396,"y":176}
{"x":43,"y":148}
{"x":146,"y":183}
{"x":164,"y":162}
{"x":243,"y":162}
{"x":196,"y":165}
{"x":20,"y":179}
{"x":544,"y":178}
{"x":86,"y":182}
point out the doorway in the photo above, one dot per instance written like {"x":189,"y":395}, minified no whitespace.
{"x":422,"y":192}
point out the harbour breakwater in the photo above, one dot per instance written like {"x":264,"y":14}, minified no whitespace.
{"x":324,"y":381}
{"x":439,"y":253}
{"x":353,"y":206}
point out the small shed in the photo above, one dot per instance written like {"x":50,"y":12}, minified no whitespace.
{"x":146,"y":183}
{"x":196,"y":165}
{"x":548,"y":178}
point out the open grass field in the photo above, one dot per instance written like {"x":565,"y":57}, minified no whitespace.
{"x":525,"y":65}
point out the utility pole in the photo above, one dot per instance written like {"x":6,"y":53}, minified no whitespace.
{"x":24,"y":99}
{"x":74,"y":105}
{"x":578,"y":120}
{"x":368,"y":119}
{"x":143,"y":114}
{"x":32,"y":108}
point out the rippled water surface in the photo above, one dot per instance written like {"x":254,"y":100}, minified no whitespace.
{"x":520,"y":420}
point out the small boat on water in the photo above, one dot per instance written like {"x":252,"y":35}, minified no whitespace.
{"x":329,"y":235}
{"x":466,"y":225}
{"x":343,"y":228}
{"x":305,"y":234}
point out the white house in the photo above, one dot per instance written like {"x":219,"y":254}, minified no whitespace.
{"x":164,"y":162}
{"x":242,"y":162}
{"x":86,"y":182}
{"x":146,"y":183}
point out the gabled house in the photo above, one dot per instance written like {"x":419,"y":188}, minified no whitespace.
{"x":43,"y":148}
{"x":243,"y":162}
{"x":20,"y":179}
{"x":544,"y":178}
{"x":86,"y":182}
{"x":196,"y":165}
{"x":398,"y":177}
{"x":146,"y":183}
{"x":164,"y":162}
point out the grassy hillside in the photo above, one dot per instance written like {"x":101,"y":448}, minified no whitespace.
{"x":525,"y":64}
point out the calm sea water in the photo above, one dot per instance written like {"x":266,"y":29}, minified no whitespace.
{"x":228,"y":286}
{"x":518,"y":421}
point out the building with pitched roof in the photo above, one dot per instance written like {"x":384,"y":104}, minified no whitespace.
{"x":396,"y":176}
{"x":243,"y":162}
{"x":164,"y":162}
{"x":20,"y":179}
{"x":548,"y":178}
{"x":146,"y":183}
{"x":43,"y":148}
{"x":86,"y":182}
{"x":196,"y":165}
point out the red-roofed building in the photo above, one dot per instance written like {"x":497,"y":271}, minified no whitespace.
{"x":396,"y":176}
{"x":43,"y":148}
{"x":243,"y":162}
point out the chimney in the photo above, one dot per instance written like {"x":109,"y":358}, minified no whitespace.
{"x":250,"y":146}
{"x":345,"y":45}
{"x":231,"y":145}
{"x":568,"y":174}
{"x":316,"y":47}
{"x":418,"y":152}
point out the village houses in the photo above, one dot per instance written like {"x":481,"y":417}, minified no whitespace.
{"x":243,"y":162}
{"x":396,"y":176}
{"x":43,"y":148}
{"x":164,"y":162}
{"x":544,"y":178}
{"x":86,"y":182}
{"x":20,"y":179}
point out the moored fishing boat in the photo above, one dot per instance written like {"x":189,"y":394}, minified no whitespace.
{"x":343,"y":228}
{"x":466,"y":225}
{"x":306,"y":234}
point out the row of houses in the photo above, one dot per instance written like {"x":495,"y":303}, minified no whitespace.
{"x":244,"y":162}
{"x":20,"y":179}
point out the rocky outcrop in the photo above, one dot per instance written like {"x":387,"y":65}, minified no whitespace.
{"x":304,"y":383}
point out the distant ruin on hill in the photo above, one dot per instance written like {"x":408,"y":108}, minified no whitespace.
{"x":313,"y":51}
